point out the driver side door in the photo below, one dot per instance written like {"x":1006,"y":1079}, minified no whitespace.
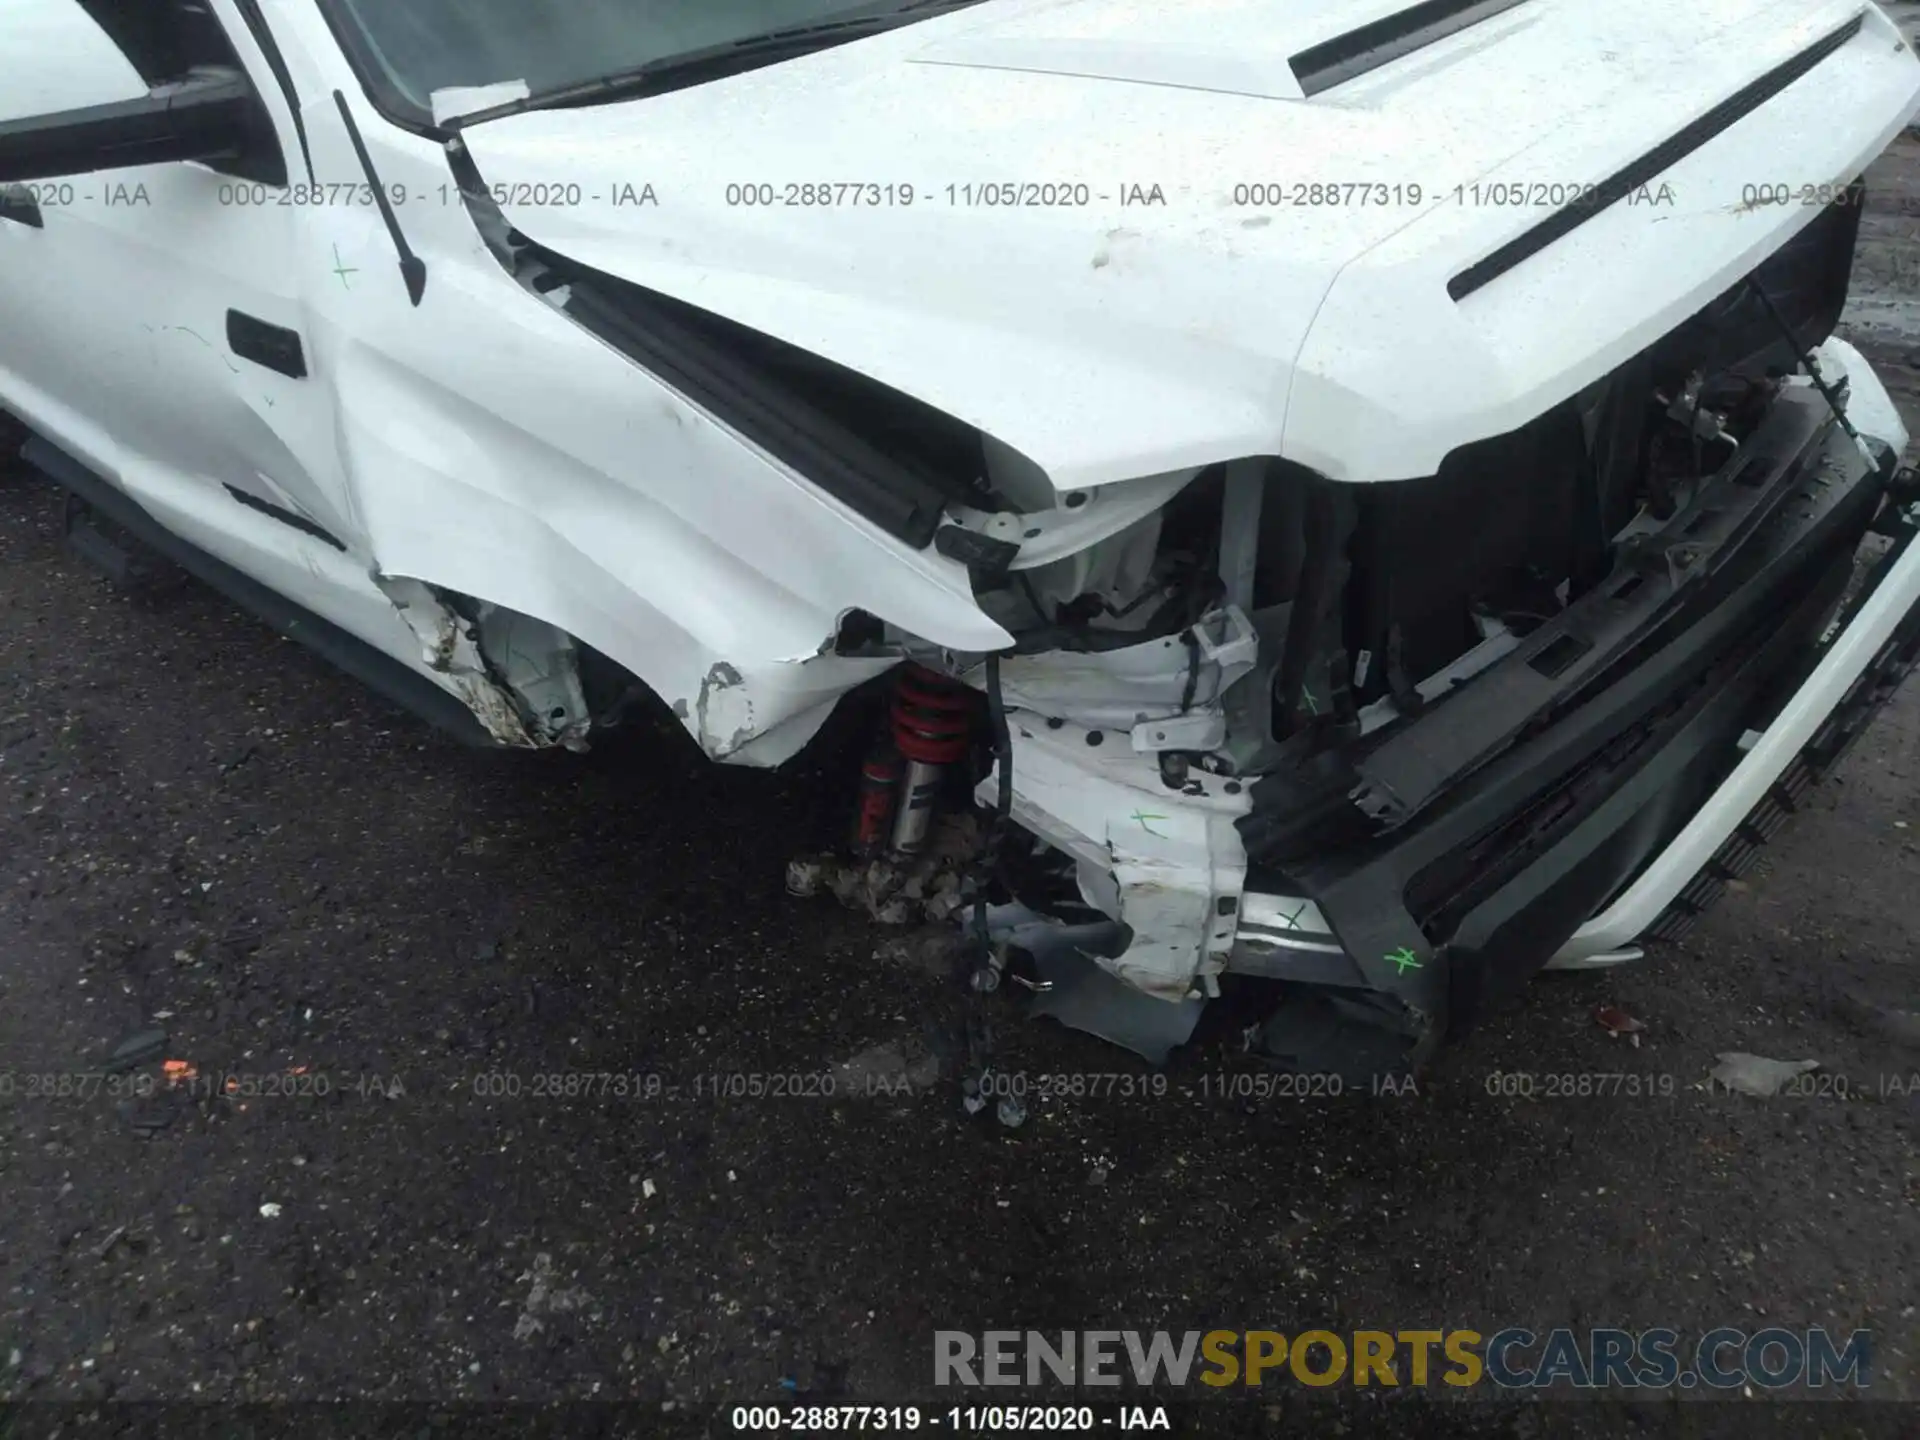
{"x":151,"y":319}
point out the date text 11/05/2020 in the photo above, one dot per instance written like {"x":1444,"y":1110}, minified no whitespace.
{"x":960,"y":1419}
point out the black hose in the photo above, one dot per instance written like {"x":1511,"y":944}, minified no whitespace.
{"x":1002,"y":740}
{"x":1806,"y":358}
{"x":1026,"y":588}
{"x":1193,"y":670}
{"x":1003,"y":799}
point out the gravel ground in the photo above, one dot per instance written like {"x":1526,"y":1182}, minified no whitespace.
{"x":204,"y":829}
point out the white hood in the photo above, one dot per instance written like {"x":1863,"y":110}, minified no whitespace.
{"x":1111,"y":340}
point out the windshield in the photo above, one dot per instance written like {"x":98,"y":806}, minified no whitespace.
{"x":414,"y":47}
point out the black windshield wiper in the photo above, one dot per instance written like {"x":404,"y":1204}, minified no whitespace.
{"x":711,"y":62}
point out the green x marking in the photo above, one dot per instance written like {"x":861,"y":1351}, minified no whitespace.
{"x":1405,"y":959}
{"x":1143,"y":819}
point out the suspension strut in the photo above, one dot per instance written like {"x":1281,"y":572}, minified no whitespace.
{"x":932,"y":723}
{"x":879,"y":785}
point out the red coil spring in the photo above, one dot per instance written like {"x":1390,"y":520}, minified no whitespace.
{"x":932,"y":716}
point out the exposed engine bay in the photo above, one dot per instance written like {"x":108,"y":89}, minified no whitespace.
{"x":1243,"y":725}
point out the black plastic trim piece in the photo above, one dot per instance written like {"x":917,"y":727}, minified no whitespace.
{"x":165,"y":46}
{"x":641,"y":325}
{"x":1898,"y":658}
{"x":1622,"y":183}
{"x":287,"y":517}
{"x":18,"y":205}
{"x":379,"y":672}
{"x":1362,"y":886}
{"x":273,"y":346}
{"x":1627,"y":814}
{"x":283,"y":77}
{"x":151,"y":39}
{"x":986,"y":557}
{"x":413,"y":270}
{"x":1413,"y":764}
{"x":1349,"y":56}
{"x":195,"y":118}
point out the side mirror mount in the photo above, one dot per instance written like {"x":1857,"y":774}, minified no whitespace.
{"x":206,"y":115}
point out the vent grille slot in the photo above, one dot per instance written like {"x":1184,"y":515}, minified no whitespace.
{"x":1347,"y":57}
{"x":1622,"y":183}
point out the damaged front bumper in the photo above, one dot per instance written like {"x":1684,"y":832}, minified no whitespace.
{"x":1607,"y":818}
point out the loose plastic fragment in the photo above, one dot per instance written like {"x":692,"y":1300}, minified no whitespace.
{"x":896,"y":890}
{"x":1756,"y":1074}
{"x":135,"y":1049}
{"x":1617,"y":1022}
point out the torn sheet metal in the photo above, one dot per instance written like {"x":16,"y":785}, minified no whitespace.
{"x":1050,"y":532}
{"x":540,"y":663}
{"x":591,"y":495}
{"x":1166,"y":862}
{"x":764,"y":714}
{"x":518,"y":675}
{"x":1142,"y":691}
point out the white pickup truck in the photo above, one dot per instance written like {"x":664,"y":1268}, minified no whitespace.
{"x":1389,"y":460}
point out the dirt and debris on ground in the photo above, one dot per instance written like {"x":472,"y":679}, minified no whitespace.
{"x":492,"y":1077}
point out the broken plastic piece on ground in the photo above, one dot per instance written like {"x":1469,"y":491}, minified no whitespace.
{"x":1075,"y":989}
{"x":1355,"y":1038}
{"x":893,"y":890}
{"x":1617,"y":1022}
{"x":178,"y":1072}
{"x":1083,"y":996}
{"x":1756,"y":1074}
{"x":135,"y":1049}
{"x":935,"y":951}
{"x":807,"y":876}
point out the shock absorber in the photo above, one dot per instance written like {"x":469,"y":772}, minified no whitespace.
{"x":879,"y":784}
{"x":932,"y":718}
